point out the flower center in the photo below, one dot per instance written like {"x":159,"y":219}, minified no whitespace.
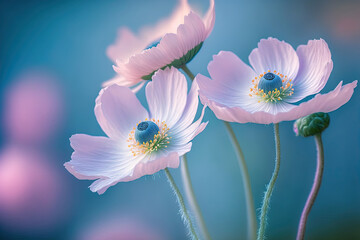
{"x":148,"y":136}
{"x":271,"y":87}
{"x":146,"y":131}
{"x":153,"y":44}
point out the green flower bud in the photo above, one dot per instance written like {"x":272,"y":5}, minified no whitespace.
{"x":312,"y":124}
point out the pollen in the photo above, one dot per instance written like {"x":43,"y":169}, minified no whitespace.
{"x":159,"y":141}
{"x":274,"y":95}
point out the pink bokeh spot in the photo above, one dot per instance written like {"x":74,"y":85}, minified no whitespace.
{"x":30,"y":191}
{"x":127,"y":228}
{"x":33,"y":108}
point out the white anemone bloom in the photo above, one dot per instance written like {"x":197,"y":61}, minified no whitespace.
{"x":138,"y":142}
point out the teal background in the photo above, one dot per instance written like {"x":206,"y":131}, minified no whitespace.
{"x":68,"y":39}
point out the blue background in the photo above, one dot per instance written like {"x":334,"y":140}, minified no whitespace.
{"x":69,"y":39}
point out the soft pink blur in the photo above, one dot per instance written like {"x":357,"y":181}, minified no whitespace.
{"x":30,"y":191}
{"x":120,"y":229}
{"x":344,"y":20}
{"x":33,"y":108}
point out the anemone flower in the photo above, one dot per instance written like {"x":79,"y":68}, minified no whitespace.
{"x":172,"y":42}
{"x":139,"y":142}
{"x":279,"y":77}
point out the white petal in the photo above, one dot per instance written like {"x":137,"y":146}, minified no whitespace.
{"x":275,"y":55}
{"x":166,"y":95}
{"x":99,"y":157}
{"x":231,"y":79}
{"x":184,"y":136}
{"x":190,"y":109}
{"x":315,"y":68}
{"x":118,"y":110}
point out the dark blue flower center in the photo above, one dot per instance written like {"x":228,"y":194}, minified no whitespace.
{"x":153,"y":44}
{"x":269,"y":82}
{"x":146,"y":131}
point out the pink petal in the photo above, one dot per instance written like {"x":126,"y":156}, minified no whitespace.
{"x":166,"y":95}
{"x":170,"y":160}
{"x":274,"y":55}
{"x":209,"y":19}
{"x":190,"y":109}
{"x":322,"y":102}
{"x":121,"y":81}
{"x":125,"y":45}
{"x":231,"y":79}
{"x":118,"y":110}
{"x":168,"y":25}
{"x":99,"y":157}
{"x":184,"y":136}
{"x":283,"y":111}
{"x":315,"y":68}
{"x":171,"y":47}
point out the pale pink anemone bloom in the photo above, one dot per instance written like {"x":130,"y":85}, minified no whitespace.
{"x":172,"y":42}
{"x":236,"y":91}
{"x":164,"y":133}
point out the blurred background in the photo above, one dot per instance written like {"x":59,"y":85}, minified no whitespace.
{"x":52,"y":65}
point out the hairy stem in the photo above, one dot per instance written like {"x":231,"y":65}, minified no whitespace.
{"x":183,"y":210}
{"x":270,"y":187}
{"x":315,"y":188}
{"x":250,"y":210}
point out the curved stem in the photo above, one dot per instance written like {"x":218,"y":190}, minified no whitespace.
{"x":189,"y":192}
{"x":315,"y":188}
{"x":250,"y":210}
{"x":183,"y":210}
{"x":270,"y":187}
{"x":188,"y":72}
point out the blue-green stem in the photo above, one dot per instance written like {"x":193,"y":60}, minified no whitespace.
{"x":270,"y":187}
{"x":190,"y":194}
{"x":315,"y":188}
{"x":250,"y":209}
{"x":183,"y":210}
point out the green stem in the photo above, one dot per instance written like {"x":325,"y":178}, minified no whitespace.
{"x":183,"y":210}
{"x":252,"y":225}
{"x":315,"y":188}
{"x":188,"y":72}
{"x":189,"y":192}
{"x":250,"y":209}
{"x":270,"y":187}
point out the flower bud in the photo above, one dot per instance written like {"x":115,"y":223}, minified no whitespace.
{"x":312,"y":124}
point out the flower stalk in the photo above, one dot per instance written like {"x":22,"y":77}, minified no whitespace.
{"x":270,"y":187}
{"x":250,"y":209}
{"x":189,"y":192}
{"x":315,"y":188}
{"x":183,"y":210}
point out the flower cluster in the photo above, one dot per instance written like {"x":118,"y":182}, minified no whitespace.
{"x":142,"y":142}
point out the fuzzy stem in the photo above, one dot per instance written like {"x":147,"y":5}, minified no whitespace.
{"x":183,"y":210}
{"x":188,"y":72}
{"x":189,"y":192}
{"x":315,"y":188}
{"x":250,"y":210}
{"x":270,"y":187}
